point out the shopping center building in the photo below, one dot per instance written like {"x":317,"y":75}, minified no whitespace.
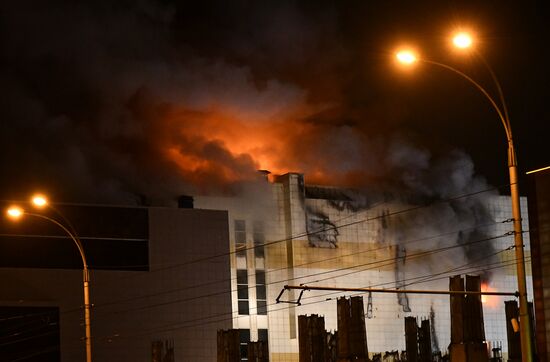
{"x":165,"y":279}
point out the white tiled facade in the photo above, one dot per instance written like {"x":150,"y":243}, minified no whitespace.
{"x":380,"y":246}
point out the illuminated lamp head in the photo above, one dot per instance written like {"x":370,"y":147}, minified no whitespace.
{"x":462,"y":40}
{"x":15,"y":212}
{"x":39,"y":200}
{"x":406,"y":57}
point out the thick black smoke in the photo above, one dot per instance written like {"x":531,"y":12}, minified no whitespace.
{"x":125,"y":101}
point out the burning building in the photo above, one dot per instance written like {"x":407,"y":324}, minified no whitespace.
{"x":171,"y":277}
{"x":325,"y":236}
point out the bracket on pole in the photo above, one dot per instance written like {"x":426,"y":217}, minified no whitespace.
{"x":297,"y":302}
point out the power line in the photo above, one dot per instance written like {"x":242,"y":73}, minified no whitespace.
{"x":465,"y":268}
{"x":390,"y":260}
{"x":323,"y":229}
{"x":410,"y":256}
{"x":175,"y":290}
{"x":37,"y":353}
{"x":446,"y":272}
{"x":29,"y":337}
{"x":204,"y":320}
{"x":337,"y":227}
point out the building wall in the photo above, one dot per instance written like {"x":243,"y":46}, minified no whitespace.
{"x":285,"y":232}
{"x":539,"y":222}
{"x":336,"y":243}
{"x":178,"y":302}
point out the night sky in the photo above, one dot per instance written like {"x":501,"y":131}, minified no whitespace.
{"x":122,"y":101}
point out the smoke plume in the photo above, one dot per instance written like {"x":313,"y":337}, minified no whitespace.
{"x":145,"y":100}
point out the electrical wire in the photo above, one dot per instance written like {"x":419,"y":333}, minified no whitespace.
{"x":407,"y":257}
{"x":484,"y":268}
{"x":175,"y":290}
{"x":37,"y":353}
{"x":326,"y":229}
{"x":323,"y":229}
{"x":204,"y":320}
{"x":392,"y":260}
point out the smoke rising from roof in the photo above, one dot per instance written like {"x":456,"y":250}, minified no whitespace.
{"x":109,"y":102}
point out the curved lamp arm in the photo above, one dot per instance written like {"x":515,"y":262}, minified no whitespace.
{"x":497,"y":84}
{"x":71,"y":235}
{"x":501,"y":116}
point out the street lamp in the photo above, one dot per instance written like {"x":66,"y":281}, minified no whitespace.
{"x":15,"y":213}
{"x":39,"y":200}
{"x":406,"y":56}
{"x":463,"y":41}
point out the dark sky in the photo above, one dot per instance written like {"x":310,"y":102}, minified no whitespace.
{"x":111,"y":100}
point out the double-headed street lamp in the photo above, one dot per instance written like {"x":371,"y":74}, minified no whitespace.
{"x":464,"y":41}
{"x":39,"y":201}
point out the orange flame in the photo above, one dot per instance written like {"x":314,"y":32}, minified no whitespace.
{"x":269,"y":144}
{"x":490,"y":301}
{"x":222,"y":145}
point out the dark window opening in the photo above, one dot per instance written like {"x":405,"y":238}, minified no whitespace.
{"x":114,"y":238}
{"x":262,"y":335}
{"x":242,"y":291}
{"x":29,"y":334}
{"x":259,"y":239}
{"x":244,"y":338}
{"x":240,"y":238}
{"x":260,"y":277}
{"x":262,"y":307}
{"x":243,"y":307}
{"x":261,"y":293}
{"x":242,"y":276}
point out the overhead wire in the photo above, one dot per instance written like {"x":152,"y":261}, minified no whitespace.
{"x":325,"y":229}
{"x":37,"y":353}
{"x":410,"y":256}
{"x":192,"y":298}
{"x":269,"y":271}
{"x":370,"y":263}
{"x":391,"y":261}
{"x":20,"y":328}
{"x":357,"y":271}
{"x":508,"y":263}
{"x":320,"y":230}
{"x":205,"y":320}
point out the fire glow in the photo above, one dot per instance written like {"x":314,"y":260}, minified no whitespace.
{"x":231,"y":146}
{"x":490,"y":301}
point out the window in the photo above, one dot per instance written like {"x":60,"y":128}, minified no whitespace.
{"x":242,"y":291}
{"x":240,"y":238}
{"x":26,"y":330}
{"x":259,"y":239}
{"x":261,"y":293}
{"x":244,"y":338}
{"x":262,"y":335}
{"x":117,"y":238}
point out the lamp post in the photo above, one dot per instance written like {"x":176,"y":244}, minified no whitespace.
{"x":39,"y":201}
{"x":464,"y":41}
